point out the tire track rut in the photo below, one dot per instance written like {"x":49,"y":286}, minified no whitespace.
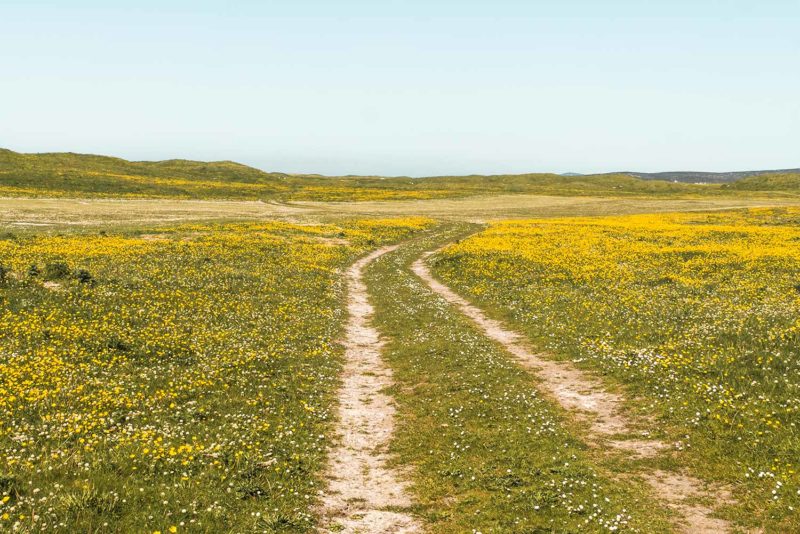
{"x":364,"y":494}
{"x":587,"y":399}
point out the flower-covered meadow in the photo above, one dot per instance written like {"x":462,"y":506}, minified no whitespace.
{"x":698,"y":313}
{"x":180,"y":379}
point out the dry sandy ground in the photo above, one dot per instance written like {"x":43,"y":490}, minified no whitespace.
{"x":586,"y":398}
{"x":487,"y":208}
{"x":50,"y":212}
{"x":364,"y":494}
{"x":18,"y":213}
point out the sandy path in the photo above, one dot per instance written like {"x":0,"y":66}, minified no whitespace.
{"x":364,"y":495}
{"x":586,"y":398}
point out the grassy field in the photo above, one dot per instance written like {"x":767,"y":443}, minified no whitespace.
{"x":177,"y":378}
{"x":173,"y":363}
{"x":696,"y":314}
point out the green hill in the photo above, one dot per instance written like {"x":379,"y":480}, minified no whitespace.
{"x":788,"y":182}
{"x":55,"y":162}
{"x":83,"y":175}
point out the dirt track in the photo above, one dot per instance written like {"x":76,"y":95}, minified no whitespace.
{"x":364,"y":494}
{"x":587,"y":400}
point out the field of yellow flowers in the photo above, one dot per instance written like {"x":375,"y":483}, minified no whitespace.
{"x":175,"y":380}
{"x":697,"y":314}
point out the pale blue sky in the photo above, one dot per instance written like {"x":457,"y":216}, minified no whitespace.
{"x":407,"y":87}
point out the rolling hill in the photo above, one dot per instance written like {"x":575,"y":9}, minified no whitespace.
{"x":86,"y":175}
{"x":780,"y":181}
{"x":707,"y":177}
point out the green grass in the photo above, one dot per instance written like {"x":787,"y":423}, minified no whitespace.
{"x":487,"y":453}
{"x":786,"y":182}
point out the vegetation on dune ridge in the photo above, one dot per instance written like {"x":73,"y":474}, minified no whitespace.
{"x":82,"y":175}
{"x":178,"y":168}
{"x":767,"y":182}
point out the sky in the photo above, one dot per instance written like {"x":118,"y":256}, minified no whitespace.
{"x":417,"y":87}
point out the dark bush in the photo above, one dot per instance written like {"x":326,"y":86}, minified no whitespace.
{"x":56,"y":270}
{"x":33,"y":271}
{"x":83,"y":276}
{"x":117,"y":344}
{"x":3,"y":273}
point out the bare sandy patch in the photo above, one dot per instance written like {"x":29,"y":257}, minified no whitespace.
{"x":153,"y":237}
{"x":70,"y":212}
{"x":333,"y":241}
{"x":684,"y":494}
{"x":29,"y":213}
{"x":53,"y":286}
{"x":364,"y":495}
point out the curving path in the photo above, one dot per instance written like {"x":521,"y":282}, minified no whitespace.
{"x":587,"y":399}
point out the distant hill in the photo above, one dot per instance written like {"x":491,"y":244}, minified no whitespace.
{"x":69,"y":174}
{"x":778,"y":181}
{"x":86,"y":175}
{"x":705,"y":177}
{"x":55,"y":162}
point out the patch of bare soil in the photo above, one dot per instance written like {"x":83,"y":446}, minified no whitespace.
{"x":686,"y":494}
{"x":53,"y":286}
{"x":154,"y":237}
{"x":364,"y":495}
{"x":586,"y":398}
{"x":331,"y":241}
